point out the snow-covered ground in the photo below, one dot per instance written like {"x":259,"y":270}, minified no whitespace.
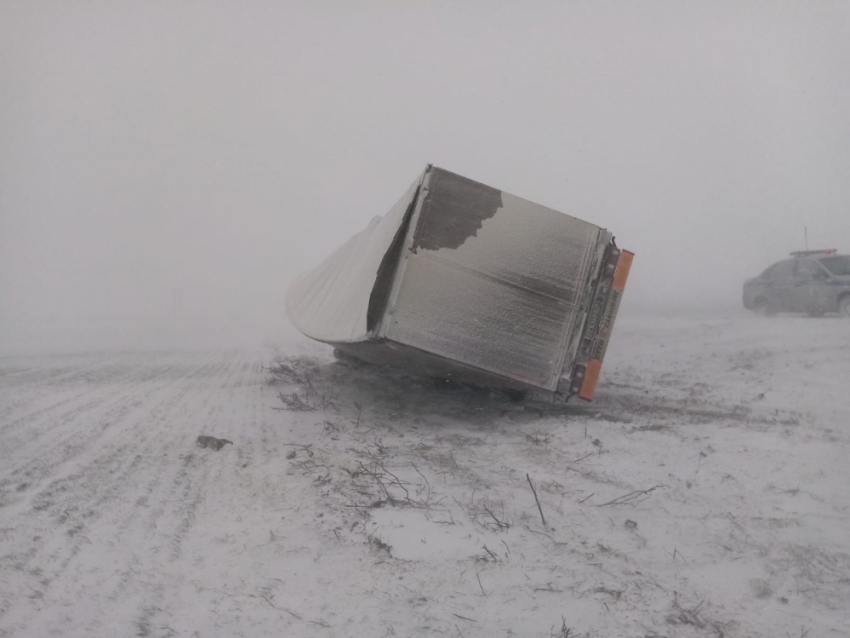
{"x":704,"y":493}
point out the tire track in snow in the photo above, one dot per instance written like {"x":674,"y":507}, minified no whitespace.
{"x":199,"y":472}
{"x":37,"y":377}
{"x":137,"y":439}
{"x":154,"y":478}
{"x":183,"y":480}
{"x":79,"y":387}
{"x":150,"y":476}
{"x":22,"y":400}
{"x":37,"y":374}
{"x":36,"y":464}
{"x":94,"y":483}
{"x":25,"y":421}
{"x":177,"y":508}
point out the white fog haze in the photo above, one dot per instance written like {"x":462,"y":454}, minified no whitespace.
{"x":236,"y":401}
{"x":221,"y":149}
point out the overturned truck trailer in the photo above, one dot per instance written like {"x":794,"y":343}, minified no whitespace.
{"x":463,"y":281}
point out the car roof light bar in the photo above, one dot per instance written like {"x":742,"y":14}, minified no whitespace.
{"x":806,"y":253}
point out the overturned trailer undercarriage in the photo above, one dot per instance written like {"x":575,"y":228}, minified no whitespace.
{"x":465,"y":282}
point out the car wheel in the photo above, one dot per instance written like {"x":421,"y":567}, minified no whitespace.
{"x":844,"y":306}
{"x":763,"y":309}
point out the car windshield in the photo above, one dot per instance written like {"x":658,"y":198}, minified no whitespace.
{"x":837,"y":265}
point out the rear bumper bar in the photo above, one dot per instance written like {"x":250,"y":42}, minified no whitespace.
{"x":600,"y":322}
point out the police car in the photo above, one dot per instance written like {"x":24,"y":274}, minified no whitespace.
{"x":812,"y":281}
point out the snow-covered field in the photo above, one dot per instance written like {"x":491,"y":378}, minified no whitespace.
{"x":704,"y":493}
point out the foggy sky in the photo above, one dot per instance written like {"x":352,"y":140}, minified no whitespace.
{"x":223,"y":148}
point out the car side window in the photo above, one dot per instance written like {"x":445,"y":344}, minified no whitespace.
{"x":783,"y":270}
{"x":838,"y":265}
{"x":808,"y":270}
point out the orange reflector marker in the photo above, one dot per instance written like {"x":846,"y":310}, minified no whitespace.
{"x":624,"y":265}
{"x":591,"y":376}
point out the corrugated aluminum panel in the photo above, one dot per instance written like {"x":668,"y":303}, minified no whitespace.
{"x":491,"y":280}
{"x":331,"y":302}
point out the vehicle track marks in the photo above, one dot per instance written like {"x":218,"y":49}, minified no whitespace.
{"x":99,"y":487}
